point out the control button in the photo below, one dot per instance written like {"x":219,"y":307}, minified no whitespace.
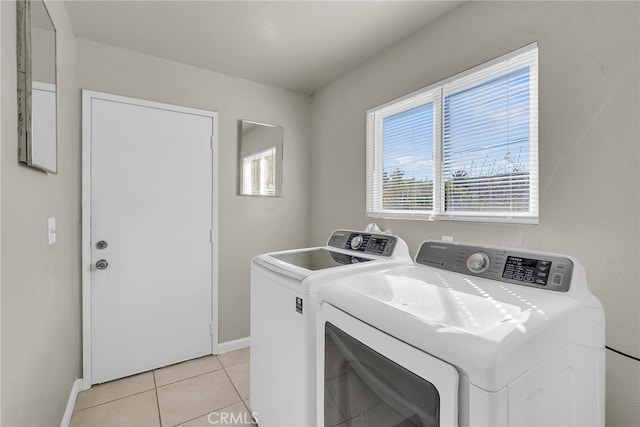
{"x":356,"y":241}
{"x":528,"y":279}
{"x":478,"y":262}
{"x":541,"y":282}
{"x":557,"y":279}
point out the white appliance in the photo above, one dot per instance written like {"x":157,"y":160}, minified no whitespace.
{"x":284,"y":286}
{"x":466,"y":336}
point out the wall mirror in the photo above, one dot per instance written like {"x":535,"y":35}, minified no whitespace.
{"x":36,"y":47}
{"x":260,"y":159}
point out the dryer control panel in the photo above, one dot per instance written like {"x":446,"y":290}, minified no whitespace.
{"x":544,"y":271}
{"x":374,"y":244}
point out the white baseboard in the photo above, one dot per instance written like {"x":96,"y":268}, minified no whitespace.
{"x":225,"y":347}
{"x":78,"y":386}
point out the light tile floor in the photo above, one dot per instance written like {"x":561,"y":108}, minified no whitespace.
{"x":201,"y":392}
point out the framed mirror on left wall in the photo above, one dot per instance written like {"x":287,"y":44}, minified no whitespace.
{"x":37,"y":86}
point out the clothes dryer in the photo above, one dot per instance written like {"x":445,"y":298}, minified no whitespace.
{"x":467,"y":336}
{"x":284,"y":287}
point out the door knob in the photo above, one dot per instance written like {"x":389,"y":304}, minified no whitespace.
{"x":102,"y":264}
{"x":102,"y":244}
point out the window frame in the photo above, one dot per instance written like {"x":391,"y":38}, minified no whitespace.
{"x":436,"y":93}
{"x":262,"y":172}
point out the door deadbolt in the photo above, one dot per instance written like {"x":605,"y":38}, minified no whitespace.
{"x":102,"y":244}
{"x":102,"y":264}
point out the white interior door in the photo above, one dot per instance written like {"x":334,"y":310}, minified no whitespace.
{"x":152,"y":230}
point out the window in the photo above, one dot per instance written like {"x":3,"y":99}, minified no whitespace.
{"x":259,"y":172}
{"x":465,"y":148}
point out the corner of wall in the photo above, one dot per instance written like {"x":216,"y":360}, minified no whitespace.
{"x":1,"y":73}
{"x":39,"y":283}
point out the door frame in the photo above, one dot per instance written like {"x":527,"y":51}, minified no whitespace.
{"x":87,"y":97}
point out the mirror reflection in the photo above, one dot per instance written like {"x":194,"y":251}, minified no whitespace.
{"x":43,"y":44}
{"x":260,"y":167}
{"x":37,"y":72}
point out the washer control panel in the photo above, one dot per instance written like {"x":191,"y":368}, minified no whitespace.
{"x":375,"y":244}
{"x":544,"y":271}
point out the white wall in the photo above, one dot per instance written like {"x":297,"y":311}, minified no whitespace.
{"x":40,"y":295}
{"x":43,"y":55}
{"x":247,"y":225}
{"x":1,"y":120}
{"x":589,"y":157}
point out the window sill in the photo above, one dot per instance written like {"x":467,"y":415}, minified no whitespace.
{"x":493,"y":219}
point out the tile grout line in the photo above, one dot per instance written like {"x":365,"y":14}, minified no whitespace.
{"x":185,"y":378}
{"x":244,"y":402}
{"x":255,"y":421}
{"x":196,"y":376}
{"x":155,"y":388}
{"x":192,"y":419}
{"x":174,"y":381}
{"x":112,"y":400}
{"x":224,"y":368}
{"x":188,"y":421}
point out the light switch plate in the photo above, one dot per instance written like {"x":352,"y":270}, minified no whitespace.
{"x":52,"y":231}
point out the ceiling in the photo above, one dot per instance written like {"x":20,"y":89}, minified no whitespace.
{"x":296,"y":45}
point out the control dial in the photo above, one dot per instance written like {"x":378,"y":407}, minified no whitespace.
{"x":356,"y":241}
{"x":478,"y":262}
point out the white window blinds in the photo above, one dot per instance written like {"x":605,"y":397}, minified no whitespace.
{"x":407,"y":174}
{"x":465,"y":148}
{"x":401,"y":141}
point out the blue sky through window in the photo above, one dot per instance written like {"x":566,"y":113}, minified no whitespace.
{"x":408,"y":143}
{"x":486,"y":132}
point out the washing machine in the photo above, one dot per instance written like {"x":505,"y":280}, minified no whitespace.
{"x":284,"y":288}
{"x":466,"y":336}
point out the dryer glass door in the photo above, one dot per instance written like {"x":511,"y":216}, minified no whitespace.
{"x":362,"y":386}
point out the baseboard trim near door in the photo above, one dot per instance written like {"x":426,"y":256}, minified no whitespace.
{"x":226,"y":347}
{"x":78,"y":386}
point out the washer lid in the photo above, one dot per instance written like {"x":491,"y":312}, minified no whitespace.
{"x":303,"y":264}
{"x":346,"y":252}
{"x":306,"y":280}
{"x":492,"y":331}
{"x":319,"y":258}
